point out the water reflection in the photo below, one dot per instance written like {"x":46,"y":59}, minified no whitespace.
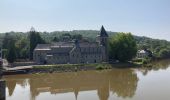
{"x":156,"y":65}
{"x":122,"y":83}
{"x":161,"y":64}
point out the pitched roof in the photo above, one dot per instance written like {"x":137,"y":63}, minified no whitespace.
{"x":103,"y":32}
{"x":142,"y":51}
{"x":87,"y":44}
{"x":65,"y":45}
{"x":62,"y":44}
{"x":43,"y":47}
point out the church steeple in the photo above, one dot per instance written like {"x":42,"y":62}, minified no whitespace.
{"x":103,"y":37}
{"x":103,"y":41}
{"x":103,"y":32}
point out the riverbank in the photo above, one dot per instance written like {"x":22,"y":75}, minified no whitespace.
{"x":99,"y":66}
{"x":79,"y":67}
{"x":59,"y":68}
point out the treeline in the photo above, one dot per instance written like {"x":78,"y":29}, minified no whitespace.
{"x":15,"y":45}
{"x":21,"y":45}
{"x":160,"y":48}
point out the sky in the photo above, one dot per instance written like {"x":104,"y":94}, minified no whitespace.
{"x":140,"y":17}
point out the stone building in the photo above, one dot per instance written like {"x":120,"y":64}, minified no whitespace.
{"x":73,"y":52}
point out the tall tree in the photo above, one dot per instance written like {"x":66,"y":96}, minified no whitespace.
{"x":56,"y":39}
{"x":6,"y":41}
{"x":123,"y":47}
{"x":22,"y":48}
{"x":35,"y":39}
{"x":11,"y":56}
{"x":77,"y":36}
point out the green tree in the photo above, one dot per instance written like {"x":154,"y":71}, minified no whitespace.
{"x":164,"y":53}
{"x":11,"y":56}
{"x":55,"y":39}
{"x":22,"y":46}
{"x":35,"y":39}
{"x":6,"y":41}
{"x":77,"y":36}
{"x":122,"y":47}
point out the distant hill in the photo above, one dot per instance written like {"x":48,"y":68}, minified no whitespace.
{"x":91,"y":34}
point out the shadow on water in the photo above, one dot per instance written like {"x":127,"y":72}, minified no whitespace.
{"x":122,"y":83}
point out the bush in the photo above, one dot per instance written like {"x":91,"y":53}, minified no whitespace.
{"x":146,"y":60}
{"x":99,"y":67}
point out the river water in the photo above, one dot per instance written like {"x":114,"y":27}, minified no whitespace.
{"x":116,"y":84}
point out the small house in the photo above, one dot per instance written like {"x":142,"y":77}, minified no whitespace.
{"x":142,"y":54}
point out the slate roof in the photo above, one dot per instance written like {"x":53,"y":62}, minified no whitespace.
{"x":62,"y":44}
{"x":103,"y":32}
{"x":65,"y":45}
{"x":86,"y":44}
{"x":43,"y":47}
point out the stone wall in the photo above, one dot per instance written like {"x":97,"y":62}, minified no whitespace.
{"x":2,"y":90}
{"x":2,"y":86}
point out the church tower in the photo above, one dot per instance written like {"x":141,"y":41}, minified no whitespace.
{"x":103,"y":37}
{"x":103,"y":41}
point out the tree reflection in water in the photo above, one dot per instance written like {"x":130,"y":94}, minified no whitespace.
{"x":121,"y":82}
{"x":156,"y":65}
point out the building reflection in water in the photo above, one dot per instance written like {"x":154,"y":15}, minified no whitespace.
{"x":122,"y":83}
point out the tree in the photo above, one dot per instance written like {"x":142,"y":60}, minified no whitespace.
{"x":22,"y":48}
{"x":6,"y":41}
{"x":11,"y":56}
{"x":164,"y":53}
{"x":122,"y":47}
{"x":35,"y":39}
{"x":55,"y":39}
{"x":8,"y":45}
{"x":77,"y":36}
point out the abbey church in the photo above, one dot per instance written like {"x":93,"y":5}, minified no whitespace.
{"x":73,"y":52}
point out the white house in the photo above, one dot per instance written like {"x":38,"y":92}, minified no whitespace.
{"x":142,"y":54}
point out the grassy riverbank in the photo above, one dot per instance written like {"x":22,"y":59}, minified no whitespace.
{"x":156,"y":64}
{"x":80,"y":67}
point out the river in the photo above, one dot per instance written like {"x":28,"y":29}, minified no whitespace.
{"x":115,"y":84}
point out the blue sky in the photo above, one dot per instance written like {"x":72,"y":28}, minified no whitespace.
{"x":141,"y":17}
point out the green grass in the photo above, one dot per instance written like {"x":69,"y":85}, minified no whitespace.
{"x":63,"y":65}
{"x":97,"y":66}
